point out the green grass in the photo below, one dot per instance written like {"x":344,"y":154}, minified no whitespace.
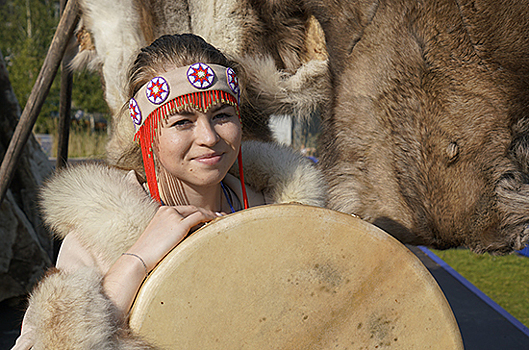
{"x":504,"y":279}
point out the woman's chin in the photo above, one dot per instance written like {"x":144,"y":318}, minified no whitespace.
{"x":208,"y":178}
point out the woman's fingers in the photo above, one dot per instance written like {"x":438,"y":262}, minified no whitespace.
{"x":186,"y":210}
{"x":197,"y":218}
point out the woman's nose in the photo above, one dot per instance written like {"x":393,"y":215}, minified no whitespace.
{"x":206,"y":134}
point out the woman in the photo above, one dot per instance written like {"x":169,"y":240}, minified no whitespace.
{"x":118,"y":224}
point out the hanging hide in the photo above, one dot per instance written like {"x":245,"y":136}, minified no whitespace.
{"x":424,"y":104}
{"x":111,"y":34}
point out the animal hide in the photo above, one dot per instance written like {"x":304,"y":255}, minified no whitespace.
{"x":427,"y":134}
{"x":424,"y":103}
{"x":112,"y":33}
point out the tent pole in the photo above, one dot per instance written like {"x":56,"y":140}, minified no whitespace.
{"x":65,"y":106}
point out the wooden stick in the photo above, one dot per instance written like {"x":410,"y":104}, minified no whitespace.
{"x":38,"y":95}
{"x":65,"y":106}
{"x":64,"y":116}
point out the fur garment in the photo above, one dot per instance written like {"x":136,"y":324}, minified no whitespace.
{"x":69,"y":310}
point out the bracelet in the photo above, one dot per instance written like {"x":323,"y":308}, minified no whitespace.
{"x":143,"y":262}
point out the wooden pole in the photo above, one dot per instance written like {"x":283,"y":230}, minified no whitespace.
{"x":65,"y":106}
{"x":38,"y":95}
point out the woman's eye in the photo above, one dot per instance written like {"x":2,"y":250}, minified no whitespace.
{"x":222,"y":116}
{"x":181,"y":123}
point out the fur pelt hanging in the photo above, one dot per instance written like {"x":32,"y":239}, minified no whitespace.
{"x":424,"y":104}
{"x":289,"y":78}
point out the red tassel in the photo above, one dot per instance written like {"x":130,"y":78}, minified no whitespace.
{"x":241,"y":175}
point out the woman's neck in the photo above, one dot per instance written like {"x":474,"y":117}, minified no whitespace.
{"x":175,"y":192}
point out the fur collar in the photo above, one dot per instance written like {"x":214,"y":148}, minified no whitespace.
{"x":109,"y":209}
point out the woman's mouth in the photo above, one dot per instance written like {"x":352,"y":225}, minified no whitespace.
{"x":209,"y":159}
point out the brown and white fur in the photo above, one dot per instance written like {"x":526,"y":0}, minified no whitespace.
{"x":108,"y":212}
{"x":425,"y":103}
{"x":111,"y":34}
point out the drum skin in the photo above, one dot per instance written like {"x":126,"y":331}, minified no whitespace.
{"x":293,"y":277}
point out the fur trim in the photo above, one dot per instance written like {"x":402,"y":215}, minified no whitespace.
{"x":70,"y":311}
{"x":114,"y":202}
{"x":282,"y":173}
{"x":95,"y":199}
{"x":278,"y":92}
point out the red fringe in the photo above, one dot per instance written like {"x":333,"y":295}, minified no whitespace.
{"x":241,"y":177}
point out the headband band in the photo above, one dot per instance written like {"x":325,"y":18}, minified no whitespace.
{"x":198,"y":77}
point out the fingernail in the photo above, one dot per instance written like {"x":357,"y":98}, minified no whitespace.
{"x":218,"y":213}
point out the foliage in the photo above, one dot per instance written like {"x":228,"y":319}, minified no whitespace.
{"x":26,"y":30}
{"x":504,"y":279}
{"x":87,"y":93}
{"x":27,"y":27}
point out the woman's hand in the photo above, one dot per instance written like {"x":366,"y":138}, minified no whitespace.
{"x":168,"y":227}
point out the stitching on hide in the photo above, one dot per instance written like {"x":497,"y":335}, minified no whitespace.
{"x":465,"y":23}
{"x":361,"y":34}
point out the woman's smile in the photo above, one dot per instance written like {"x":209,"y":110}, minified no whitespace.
{"x":209,"y":158}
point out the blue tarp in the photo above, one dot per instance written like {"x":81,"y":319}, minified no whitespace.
{"x":524,"y":251}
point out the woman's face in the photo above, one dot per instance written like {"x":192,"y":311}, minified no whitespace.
{"x":199,"y":148}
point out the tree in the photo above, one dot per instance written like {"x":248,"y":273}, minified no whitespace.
{"x":26,"y":30}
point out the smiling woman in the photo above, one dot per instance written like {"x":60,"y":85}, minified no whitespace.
{"x":174,"y":159}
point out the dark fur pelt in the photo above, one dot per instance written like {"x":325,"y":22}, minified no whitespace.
{"x":427,"y":137}
{"x":424,"y":103}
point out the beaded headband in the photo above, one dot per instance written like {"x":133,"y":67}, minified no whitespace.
{"x":198,"y":86}
{"x":185,"y":81}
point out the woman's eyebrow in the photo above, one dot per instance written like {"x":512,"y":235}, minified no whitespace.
{"x":185,"y":112}
{"x":219,"y":107}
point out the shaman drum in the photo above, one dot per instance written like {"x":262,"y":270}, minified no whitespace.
{"x":293,"y":277}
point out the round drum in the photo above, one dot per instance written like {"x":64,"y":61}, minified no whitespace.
{"x":293,"y":277}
